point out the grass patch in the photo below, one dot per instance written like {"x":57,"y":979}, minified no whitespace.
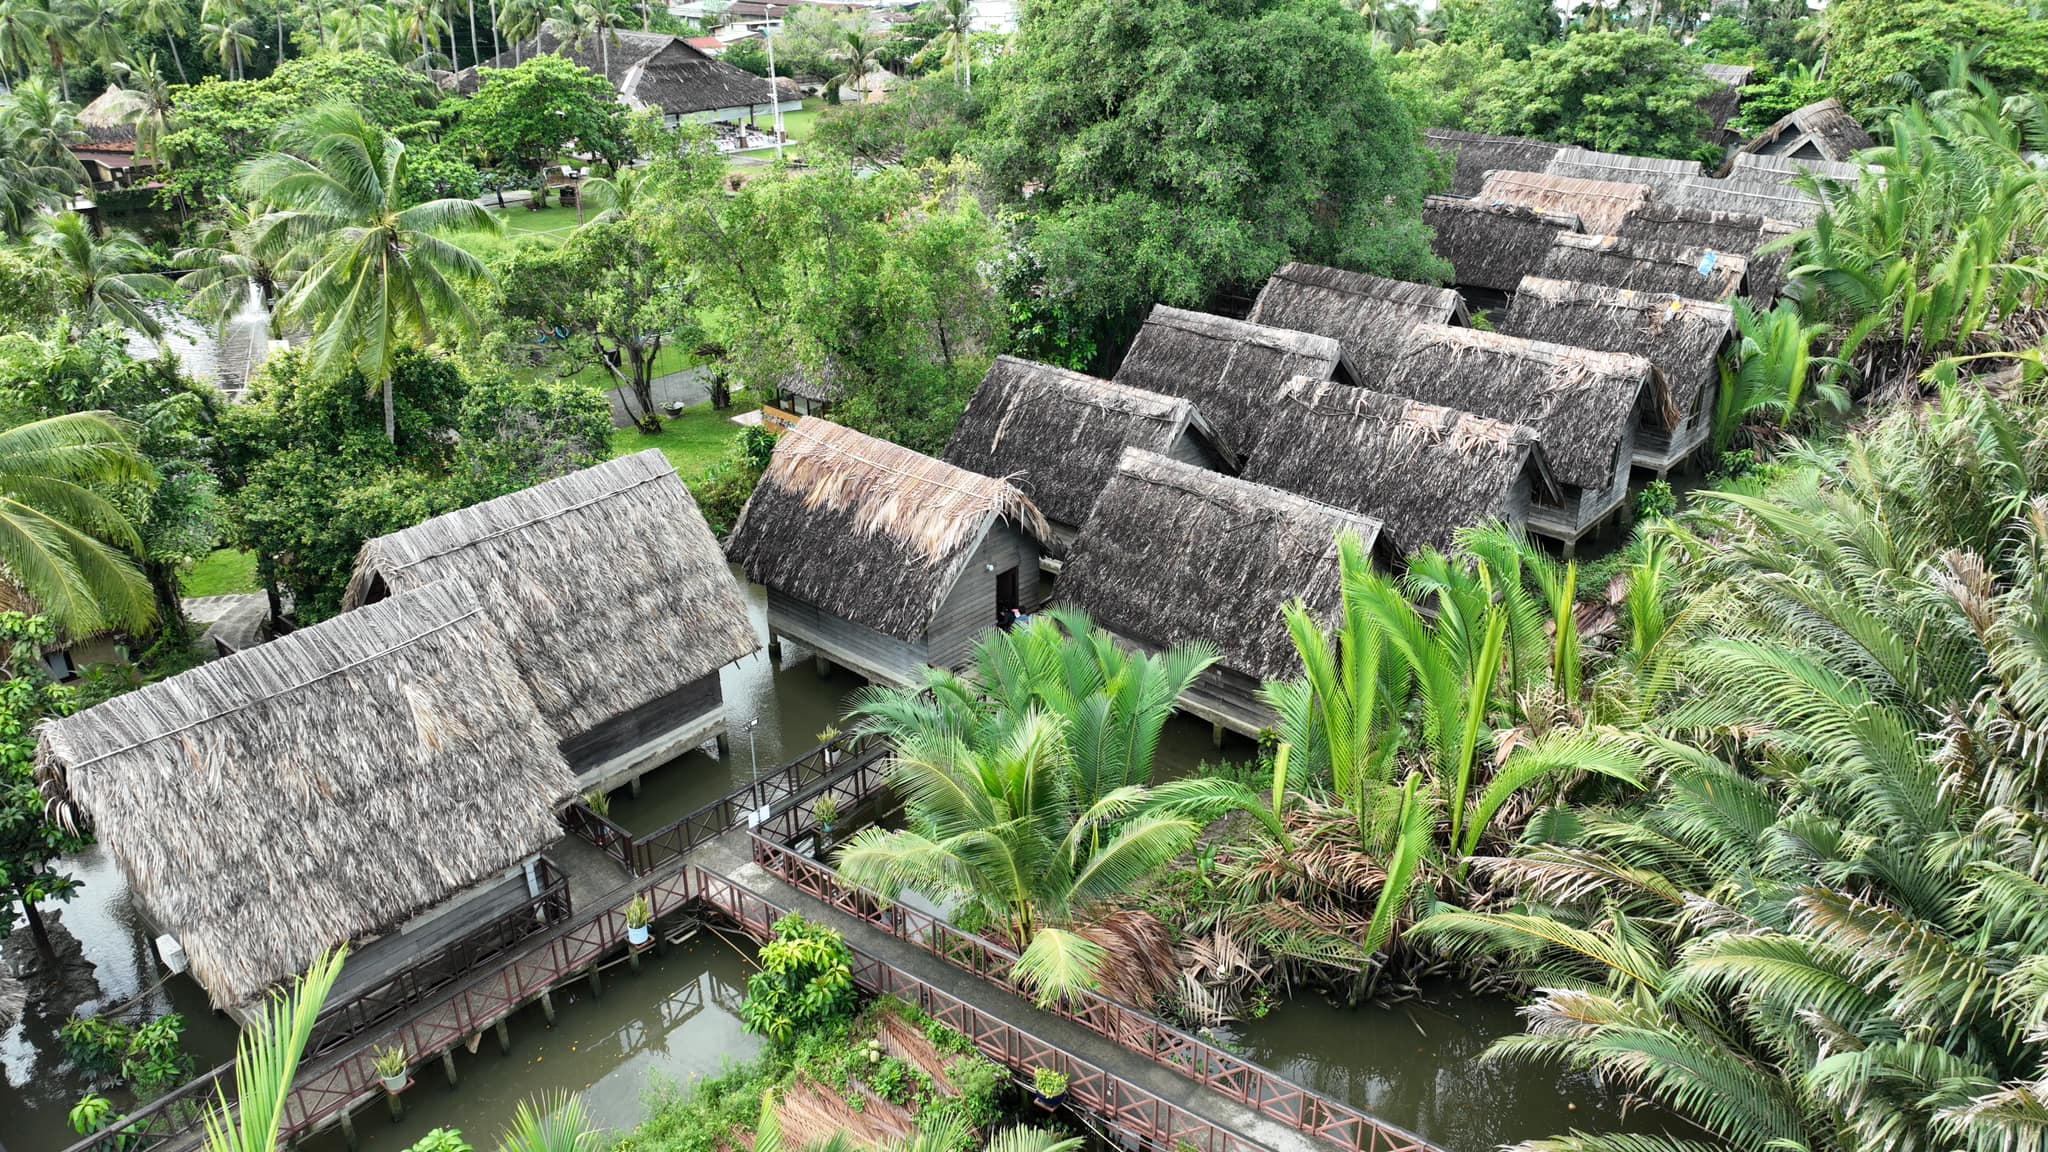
{"x":799,"y":123}
{"x":225,"y":572}
{"x":549,"y":226}
{"x":694,"y":441}
{"x":670,"y":359}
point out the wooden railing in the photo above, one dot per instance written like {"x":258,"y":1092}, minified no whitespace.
{"x":1260,"y":1089}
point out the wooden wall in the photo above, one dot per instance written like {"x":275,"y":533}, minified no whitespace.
{"x":969,"y":609}
{"x":856,"y":646}
{"x":629,"y":730}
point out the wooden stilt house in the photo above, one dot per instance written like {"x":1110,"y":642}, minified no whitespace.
{"x":883,"y":559}
{"x":1584,"y":405}
{"x":1682,"y":338}
{"x":1474,"y":154}
{"x":1490,"y":247}
{"x":382,"y":779}
{"x":1057,"y":435}
{"x":613,"y":596}
{"x":1645,"y":266}
{"x":1368,"y":315}
{"x":1175,"y":554}
{"x":1230,"y":369}
{"x":1422,"y":470}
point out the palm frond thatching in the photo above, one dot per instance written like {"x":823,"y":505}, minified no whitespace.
{"x":1681,"y":337}
{"x":1823,"y":130}
{"x":1658,"y":174}
{"x":1645,"y":266}
{"x":1230,"y":369}
{"x":1491,"y":245}
{"x":1477,"y":154}
{"x":1600,"y":205}
{"x":1368,"y":315}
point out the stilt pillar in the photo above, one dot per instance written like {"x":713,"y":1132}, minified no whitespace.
{"x":633,"y":786}
{"x":596,"y":983}
{"x":633,"y":959}
{"x":504,"y":1031}
{"x":724,"y":745}
{"x":823,"y":664}
{"x":348,"y":1130}
{"x":547,"y":1006}
{"x":448,"y":1066}
{"x":775,"y":647}
{"x":396,"y":1103}
{"x":1216,"y":735}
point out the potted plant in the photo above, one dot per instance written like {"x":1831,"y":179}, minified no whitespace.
{"x":1048,"y":1087}
{"x":825,"y":811}
{"x":639,"y":922}
{"x":826,"y":738}
{"x":390,"y":1064}
{"x":599,"y":801}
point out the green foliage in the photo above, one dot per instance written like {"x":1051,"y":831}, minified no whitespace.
{"x":146,"y":1057}
{"x":31,"y":839}
{"x":1881,"y":52}
{"x":1442,"y":86}
{"x":441,"y":1140}
{"x":1516,"y":27}
{"x":1632,"y":92}
{"x":525,"y":118}
{"x":749,"y":56}
{"x":1781,"y":92}
{"x":1049,"y":1082}
{"x":981,"y":1082}
{"x":1726,"y":39}
{"x":805,"y":981}
{"x":437,"y":171}
{"x":892,"y":1080}
{"x":1771,"y":370}
{"x":29,"y":290}
{"x":930,"y":119}
{"x":1656,"y":501}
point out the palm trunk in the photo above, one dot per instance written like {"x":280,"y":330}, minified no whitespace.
{"x":497,"y":49}
{"x":390,"y":413}
{"x":474,"y":59}
{"x":182,"y":78}
{"x":278,"y":14}
{"x":63,"y":79}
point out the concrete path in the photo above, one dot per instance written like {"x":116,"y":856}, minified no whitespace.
{"x":689,"y":387}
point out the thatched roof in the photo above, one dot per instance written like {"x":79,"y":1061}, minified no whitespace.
{"x":1175,"y":554}
{"x":1581,"y":403}
{"x":1690,"y":227}
{"x":110,"y":119}
{"x":866,"y":530}
{"x":1599,"y":204}
{"x":1646,"y":266}
{"x":319,"y":788}
{"x":820,"y":385}
{"x":1768,"y":198}
{"x":1058,"y":434}
{"x":1423,"y":470}
{"x":1767,"y":268}
{"x":591,"y":639}
{"x":1491,"y":245}
{"x":1477,"y":154}
{"x":1579,"y":163}
{"x":1230,"y":369}
{"x":1730,"y":75}
{"x":1366,"y":314}
{"x":1681,"y":337}
{"x":1823,"y":130}
{"x":649,"y":69}
{"x":1782,"y":169}
{"x":1723,"y":103}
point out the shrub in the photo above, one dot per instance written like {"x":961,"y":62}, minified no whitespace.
{"x":1656,"y":501}
{"x":806,"y":980}
{"x":980,"y":1081}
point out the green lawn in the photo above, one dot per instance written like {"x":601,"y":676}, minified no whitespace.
{"x":222,"y":573}
{"x":669,"y":359}
{"x":799,"y":124}
{"x":692,"y":442}
{"x":548,"y":226}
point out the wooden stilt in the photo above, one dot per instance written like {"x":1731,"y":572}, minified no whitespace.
{"x":633,"y":959}
{"x":724,"y":745}
{"x":633,"y":787}
{"x":397,"y":1105}
{"x":1216,"y":735}
{"x":504,"y":1031}
{"x":547,"y":1006}
{"x":348,"y":1130}
{"x":596,"y":983}
{"x":775,"y":647}
{"x":823,"y":665}
{"x":448,"y":1066}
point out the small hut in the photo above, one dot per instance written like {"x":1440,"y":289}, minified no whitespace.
{"x":1645,"y":266}
{"x":1682,"y":338}
{"x":378,"y":778}
{"x":1422,"y":470}
{"x":1600,"y":205}
{"x":1476,"y":154}
{"x":622,"y":657}
{"x":1823,"y":130}
{"x":1230,"y":369}
{"x":1058,"y":434}
{"x":1174,"y":555}
{"x":883,"y":559}
{"x":1584,"y":405}
{"x":1491,"y":246}
{"x":1368,"y":315}
{"x":108,"y":154}
{"x":1657,"y":174}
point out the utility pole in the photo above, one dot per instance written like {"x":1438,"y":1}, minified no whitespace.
{"x":774,"y":93}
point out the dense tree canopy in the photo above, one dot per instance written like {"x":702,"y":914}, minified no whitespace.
{"x":1632,"y":92}
{"x":1518,"y":27}
{"x":1882,"y":52}
{"x":523,"y":119}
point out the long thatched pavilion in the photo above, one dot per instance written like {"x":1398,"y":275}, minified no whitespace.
{"x":373,"y":778}
{"x":1422,"y":470}
{"x":612,"y":595}
{"x":1174,"y":555}
{"x":1475,"y":154}
{"x":884,"y":559}
{"x":1490,"y":247}
{"x":1368,"y":315}
{"x":1645,"y":266}
{"x":1230,"y":369}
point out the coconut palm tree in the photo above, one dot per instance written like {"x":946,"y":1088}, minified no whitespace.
{"x":62,"y":25}
{"x":228,"y":27}
{"x":522,"y":21}
{"x":376,"y":271}
{"x":142,"y":99}
{"x":958,"y":18}
{"x":267,"y":1060}
{"x":99,"y":31}
{"x":574,"y":22}
{"x":62,"y":541}
{"x":21,"y":37}
{"x":39,"y":129}
{"x":556,"y":1123}
{"x":170,"y":19}
{"x":226,"y":268}
{"x":102,"y":280}
{"x":856,"y":56}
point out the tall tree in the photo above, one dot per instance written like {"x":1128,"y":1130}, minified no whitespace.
{"x":21,"y":37}
{"x":856,"y":57}
{"x":103,"y":279}
{"x":37,"y":167}
{"x":62,"y":541}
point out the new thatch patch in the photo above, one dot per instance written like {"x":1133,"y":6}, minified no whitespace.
{"x":1477,"y":154}
{"x":1230,"y":369}
{"x":1580,"y":402}
{"x":1645,"y":266}
{"x":1600,"y":205}
{"x":1491,"y":245}
{"x":609,"y":585}
{"x":1823,"y":130}
{"x":1058,"y":434}
{"x":1368,"y":315}
{"x":1424,"y":471}
{"x":1175,"y":554}
{"x":866,"y":530}
{"x":1658,"y":174}
{"x":1681,"y":337}
{"x":317,"y":789}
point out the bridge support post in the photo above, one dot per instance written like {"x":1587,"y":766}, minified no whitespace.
{"x":596,"y":983}
{"x":547,"y":1006}
{"x":724,"y":745}
{"x":448,"y":1065}
{"x":633,"y":786}
{"x":348,"y":1130}
{"x":775,"y":647}
{"x":633,"y":959}
{"x":504,"y":1031}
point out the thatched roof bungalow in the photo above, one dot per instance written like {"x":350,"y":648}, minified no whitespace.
{"x":1491,"y":246}
{"x":1645,"y":266}
{"x":1685,"y":226}
{"x":1230,"y":369}
{"x":650,"y":70}
{"x":1422,"y":470}
{"x":1600,"y":205}
{"x":1682,"y":338}
{"x":1477,"y":154}
{"x":1368,"y":315}
{"x":1058,"y":434}
{"x":1174,"y":554}
{"x":621,"y":657}
{"x":883,"y":559}
{"x":1584,"y":405}
{"x":1658,"y":174}
{"x":1823,"y":130}
{"x":322,"y":788}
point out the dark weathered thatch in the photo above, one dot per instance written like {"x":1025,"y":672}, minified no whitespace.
{"x":320,"y":788}
{"x":1175,"y":554}
{"x":608,"y":584}
{"x":1723,"y":103}
{"x":1681,"y":337}
{"x":1645,"y":266}
{"x":1784,"y":169}
{"x":1581,"y":403}
{"x":1768,"y":198}
{"x":1058,"y":434}
{"x":820,"y":386}
{"x":867,"y":530}
{"x":1690,"y":227}
{"x":110,"y":118}
{"x":1491,"y":246}
{"x":1366,"y":314}
{"x":1230,"y":369}
{"x":1599,"y":204}
{"x":649,"y":69}
{"x":1658,"y":174}
{"x":1477,"y":154}
{"x":1422,"y":470}
{"x":1767,"y":267}
{"x":1823,"y":130}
